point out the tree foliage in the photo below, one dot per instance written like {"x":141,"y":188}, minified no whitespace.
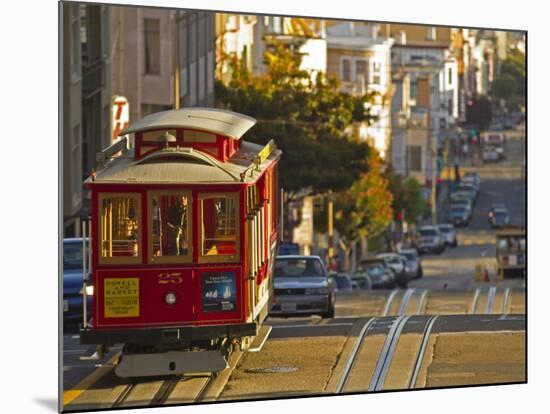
{"x":306,"y":115}
{"x":510,"y":85}
{"x":365,"y":210}
{"x":407,"y":196}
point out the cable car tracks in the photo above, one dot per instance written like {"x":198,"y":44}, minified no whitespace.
{"x":367,"y":345}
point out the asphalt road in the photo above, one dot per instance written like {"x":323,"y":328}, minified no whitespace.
{"x":501,"y":182}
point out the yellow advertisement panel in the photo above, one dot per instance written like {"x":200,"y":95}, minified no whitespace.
{"x":121,"y":297}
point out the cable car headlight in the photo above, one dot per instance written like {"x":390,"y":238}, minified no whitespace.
{"x":89,"y":290}
{"x":170,"y":298}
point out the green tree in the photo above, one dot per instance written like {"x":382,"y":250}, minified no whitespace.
{"x":407,"y":196}
{"x":365,"y":210}
{"x":513,"y":67}
{"x":306,"y":115}
{"x":505,"y":86}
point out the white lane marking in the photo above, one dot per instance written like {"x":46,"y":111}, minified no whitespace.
{"x":353,"y":355}
{"x":388,"y":303}
{"x":386,"y":356}
{"x":490,"y":299}
{"x":421,"y":302}
{"x":405,"y":301}
{"x":505,"y":301}
{"x":474,"y":302}
{"x":312,"y":326}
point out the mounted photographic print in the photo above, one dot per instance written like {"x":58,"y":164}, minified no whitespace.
{"x":259,"y":207}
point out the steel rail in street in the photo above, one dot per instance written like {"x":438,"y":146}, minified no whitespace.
{"x":124,"y":394}
{"x":353,"y":355}
{"x":490,"y":299}
{"x":389,"y":302}
{"x":474,"y":301}
{"x":421,"y":302}
{"x":405,"y":301}
{"x":386,"y":355}
{"x":505,"y":301}
{"x":421,"y":351}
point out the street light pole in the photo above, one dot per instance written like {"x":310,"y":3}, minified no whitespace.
{"x":330,"y":225}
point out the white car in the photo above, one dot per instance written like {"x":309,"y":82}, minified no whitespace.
{"x":490,"y":154}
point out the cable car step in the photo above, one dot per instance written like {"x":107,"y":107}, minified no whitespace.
{"x":260,"y":339}
{"x":170,"y":363}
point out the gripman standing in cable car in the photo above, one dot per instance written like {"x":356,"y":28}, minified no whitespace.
{"x":184,"y":230}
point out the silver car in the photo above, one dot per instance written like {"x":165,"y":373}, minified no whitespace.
{"x":302,"y":287}
{"x":430,"y":240}
{"x":449,"y":234}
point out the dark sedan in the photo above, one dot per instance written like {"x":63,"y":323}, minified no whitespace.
{"x":72,"y":282}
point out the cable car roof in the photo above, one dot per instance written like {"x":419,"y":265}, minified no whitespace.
{"x":185,"y":166}
{"x":218,"y":121}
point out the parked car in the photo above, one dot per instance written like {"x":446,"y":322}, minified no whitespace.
{"x":490,"y":154}
{"x":463,"y":195}
{"x":363,"y":281}
{"x":430,"y":240}
{"x":499,"y":218}
{"x":466,"y":203}
{"x":413,"y":267}
{"x":302,"y":286}
{"x":344,"y":283}
{"x":458,"y":214}
{"x":469,"y":183}
{"x":380,"y":274}
{"x":468,"y":187}
{"x":449,"y":234}
{"x":72,"y":282}
{"x":396,"y":263}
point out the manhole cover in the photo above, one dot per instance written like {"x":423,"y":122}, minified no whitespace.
{"x":270,"y":370}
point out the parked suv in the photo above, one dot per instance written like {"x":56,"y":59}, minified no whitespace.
{"x":302,"y":286}
{"x":430,"y":240}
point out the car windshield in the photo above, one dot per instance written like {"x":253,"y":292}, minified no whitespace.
{"x":445,"y":229}
{"x":298,"y":268}
{"x":458,"y":209}
{"x":428,"y":232}
{"x":72,"y":255}
{"x":501,"y":214}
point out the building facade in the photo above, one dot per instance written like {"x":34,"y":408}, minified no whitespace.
{"x":85,"y":109}
{"x":361,"y":59}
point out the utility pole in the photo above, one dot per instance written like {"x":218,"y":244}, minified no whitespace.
{"x":433,"y":195}
{"x":330,"y":217}
{"x":176,"y":59}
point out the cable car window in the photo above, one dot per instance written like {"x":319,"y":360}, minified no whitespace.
{"x":170,"y":227}
{"x":219,"y":229}
{"x":120,"y":228}
{"x":153,"y":136}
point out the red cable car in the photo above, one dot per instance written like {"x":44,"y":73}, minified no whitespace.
{"x":184,"y":232}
